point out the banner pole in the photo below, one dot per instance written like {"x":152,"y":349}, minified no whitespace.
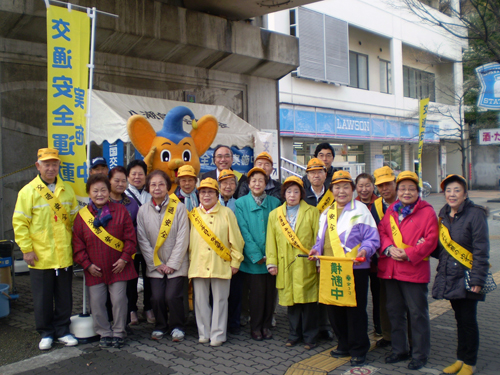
{"x":92,"y":14}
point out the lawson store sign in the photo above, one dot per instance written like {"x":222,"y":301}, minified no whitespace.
{"x":296,"y":122}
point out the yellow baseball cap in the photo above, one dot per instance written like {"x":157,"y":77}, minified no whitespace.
{"x":341,"y":176}
{"x":384,"y":174}
{"x":314,"y":164}
{"x":294,"y":179}
{"x":209,"y":183}
{"x":48,"y":154}
{"x":186,"y":170}
{"x":225,"y":174}
{"x":264,"y":156}
{"x":451,"y":178}
{"x":407,"y":175}
{"x":255,"y":170}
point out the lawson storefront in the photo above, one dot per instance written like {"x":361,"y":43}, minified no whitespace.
{"x":361,"y":138}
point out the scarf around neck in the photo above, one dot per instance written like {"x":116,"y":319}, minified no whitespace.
{"x":190,"y":200}
{"x":103,"y":216}
{"x":258,"y":200}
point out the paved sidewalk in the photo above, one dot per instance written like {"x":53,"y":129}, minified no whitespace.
{"x":240,"y":354}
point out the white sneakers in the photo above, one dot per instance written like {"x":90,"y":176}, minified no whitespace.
{"x":45,"y":343}
{"x":177,"y":335}
{"x":68,"y":340}
{"x":157,"y":335}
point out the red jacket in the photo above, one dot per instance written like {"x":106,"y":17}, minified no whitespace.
{"x":421,"y":223}
{"x":88,"y":249}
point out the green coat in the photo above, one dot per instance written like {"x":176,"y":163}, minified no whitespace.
{"x":297,"y":279}
{"x":252,"y":220}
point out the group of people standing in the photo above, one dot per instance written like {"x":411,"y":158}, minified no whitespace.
{"x":234,"y":230}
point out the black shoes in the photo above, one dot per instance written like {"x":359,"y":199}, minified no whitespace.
{"x":118,"y":342}
{"x":417,"y":364}
{"x":267,"y":334}
{"x":257,"y":335}
{"x":106,"y":342}
{"x":339,"y":353}
{"x":358,"y":361}
{"x":382,"y":343}
{"x":394,"y":358}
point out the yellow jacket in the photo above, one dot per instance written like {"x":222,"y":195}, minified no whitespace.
{"x":36,"y":228}
{"x":297,"y":279}
{"x":205,"y":262}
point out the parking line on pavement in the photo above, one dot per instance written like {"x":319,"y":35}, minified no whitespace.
{"x":323,"y":363}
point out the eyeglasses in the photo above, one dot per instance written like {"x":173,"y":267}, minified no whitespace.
{"x":227,"y":156}
{"x":160,"y":185}
{"x":209,"y":192}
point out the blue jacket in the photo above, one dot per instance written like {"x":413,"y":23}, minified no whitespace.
{"x":252,"y":220}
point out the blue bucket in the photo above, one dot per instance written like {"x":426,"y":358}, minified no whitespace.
{"x":4,"y":300}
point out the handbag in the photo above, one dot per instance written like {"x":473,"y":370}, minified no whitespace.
{"x":488,"y":286}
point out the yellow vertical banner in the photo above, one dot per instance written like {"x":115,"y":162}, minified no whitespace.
{"x":68,"y":49}
{"x":336,"y":281}
{"x":424,"y":106}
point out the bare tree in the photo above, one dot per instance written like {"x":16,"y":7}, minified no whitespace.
{"x":477,"y":21}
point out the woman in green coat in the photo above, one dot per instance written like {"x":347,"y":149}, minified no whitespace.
{"x":252,"y":212}
{"x":296,"y":278}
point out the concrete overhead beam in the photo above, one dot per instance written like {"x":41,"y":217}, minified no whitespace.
{"x":153,"y":30}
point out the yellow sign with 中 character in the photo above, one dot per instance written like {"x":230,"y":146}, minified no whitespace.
{"x":336,"y":281}
{"x":68,"y":49}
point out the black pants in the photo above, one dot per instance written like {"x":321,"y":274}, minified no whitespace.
{"x":409,"y":299}
{"x":375,"y":289}
{"x":132,"y":295}
{"x":168,"y":297}
{"x":350,"y":324}
{"x":262,"y":296}
{"x":467,"y":330}
{"x":303,"y":319}
{"x":234,"y":301}
{"x":52,"y":301}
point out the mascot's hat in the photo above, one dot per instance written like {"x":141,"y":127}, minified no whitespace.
{"x":172,"y":126}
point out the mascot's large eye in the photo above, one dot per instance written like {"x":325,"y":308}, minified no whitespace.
{"x":186,"y":155}
{"x":165,"y":155}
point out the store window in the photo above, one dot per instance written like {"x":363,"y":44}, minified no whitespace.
{"x":418,"y":84}
{"x":393,"y":157}
{"x":293,"y":22}
{"x":358,"y":70}
{"x":385,"y":77}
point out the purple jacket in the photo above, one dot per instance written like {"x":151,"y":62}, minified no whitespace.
{"x":355,"y":226}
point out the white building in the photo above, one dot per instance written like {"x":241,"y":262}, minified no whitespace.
{"x":363,"y":66}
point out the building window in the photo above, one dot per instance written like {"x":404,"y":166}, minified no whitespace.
{"x":393,"y":157}
{"x":385,"y":77}
{"x":358,"y":70}
{"x":418,"y":84}
{"x":293,"y":22}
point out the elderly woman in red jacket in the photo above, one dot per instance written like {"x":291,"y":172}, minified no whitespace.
{"x":103,"y":244}
{"x":408,"y":235}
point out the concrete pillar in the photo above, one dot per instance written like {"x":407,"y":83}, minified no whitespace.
{"x":397,"y":71}
{"x":407,"y":156}
{"x":371,"y":149}
{"x":287,"y":147}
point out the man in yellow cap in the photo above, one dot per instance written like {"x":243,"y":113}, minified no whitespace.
{"x":186,"y":187}
{"x":273,"y":187}
{"x":316,"y":175}
{"x":42,"y":222}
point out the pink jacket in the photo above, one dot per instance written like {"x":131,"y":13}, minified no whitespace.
{"x":421,"y":223}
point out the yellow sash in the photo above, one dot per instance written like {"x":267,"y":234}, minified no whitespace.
{"x":52,"y":200}
{"x":338,"y":250}
{"x":100,"y":232}
{"x":326,"y":201}
{"x":166,"y":226}
{"x":398,"y":237}
{"x":288,"y":231}
{"x":379,"y":206}
{"x":457,"y":251}
{"x":208,"y":236}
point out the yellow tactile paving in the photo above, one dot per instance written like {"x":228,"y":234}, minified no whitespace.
{"x":323,"y":363}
